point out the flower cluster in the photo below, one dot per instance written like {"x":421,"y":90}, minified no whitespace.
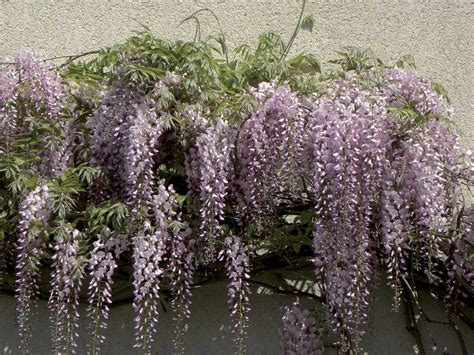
{"x":148,"y":254}
{"x":125,"y":130}
{"x":196,"y":126}
{"x":405,"y":87}
{"x":66,"y":282}
{"x":59,"y":154}
{"x":150,"y":246}
{"x":38,"y":92}
{"x":8,"y":107}
{"x":347,"y":146}
{"x":416,"y":196}
{"x":180,"y":254}
{"x":181,"y":270}
{"x":34,"y":213}
{"x":214,"y":149}
{"x":41,"y":85}
{"x":270,"y":146}
{"x":102,"y":265}
{"x":143,"y":131}
{"x":299,"y":334}
{"x":238,"y":290}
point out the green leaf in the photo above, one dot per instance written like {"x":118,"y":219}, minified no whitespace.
{"x":307,"y":23}
{"x":296,"y":247}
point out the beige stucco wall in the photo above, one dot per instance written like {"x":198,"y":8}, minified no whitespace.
{"x":439,"y":34}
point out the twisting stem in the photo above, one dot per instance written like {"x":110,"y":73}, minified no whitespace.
{"x":223,"y":44}
{"x":295,"y":33}
{"x":411,"y":319}
{"x":70,"y":58}
{"x":197,"y":35}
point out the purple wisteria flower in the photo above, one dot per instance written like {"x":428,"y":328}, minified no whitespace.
{"x":214,"y":149}
{"x":33,"y":94}
{"x":300,"y":334}
{"x":150,"y":248}
{"x":34,"y":213}
{"x":40,"y":84}
{"x":102,"y":264}
{"x":66,"y":282}
{"x":270,"y":146}
{"x":347,"y":145}
{"x":125,"y":130}
{"x":8,"y":107}
{"x":181,"y":270}
{"x":238,"y":289}
{"x":407,"y":86}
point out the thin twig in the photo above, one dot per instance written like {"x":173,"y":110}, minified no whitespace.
{"x":295,"y":33}
{"x":282,"y":291}
{"x":410,"y":319}
{"x":462,"y":344}
{"x":294,"y":289}
{"x":69,"y":57}
{"x":74,"y":57}
{"x":223,"y":44}
{"x":197,"y":35}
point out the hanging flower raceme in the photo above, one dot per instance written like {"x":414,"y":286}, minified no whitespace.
{"x":270,"y":146}
{"x":59,"y":154}
{"x":150,"y":246}
{"x":180,"y":255}
{"x":34,"y":213}
{"x":238,"y":290}
{"x":284,"y":125}
{"x":143,"y":133}
{"x":32,"y":97}
{"x":41,"y":84}
{"x":66,"y":282}
{"x":102,"y":264}
{"x":8,"y":107}
{"x":299,"y":334}
{"x":148,"y":254}
{"x":416,"y":195}
{"x":125,"y":130}
{"x":394,"y":228}
{"x":406,"y":88}
{"x":181,"y":274}
{"x":214,"y":149}
{"x":196,"y":126}
{"x":422,"y":187}
{"x":346,"y":143}
{"x":43,"y":93}
{"x":181,"y":269}
{"x":252,"y":142}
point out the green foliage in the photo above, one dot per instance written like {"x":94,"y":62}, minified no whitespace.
{"x":111,"y":214}
{"x":65,"y":190}
{"x":356,"y":59}
{"x":214,"y":79}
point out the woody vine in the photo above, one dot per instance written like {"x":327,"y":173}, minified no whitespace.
{"x":167,"y":160}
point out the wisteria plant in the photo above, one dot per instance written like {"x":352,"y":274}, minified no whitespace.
{"x":164,"y":160}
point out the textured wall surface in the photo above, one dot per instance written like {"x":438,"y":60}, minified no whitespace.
{"x":439,"y":34}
